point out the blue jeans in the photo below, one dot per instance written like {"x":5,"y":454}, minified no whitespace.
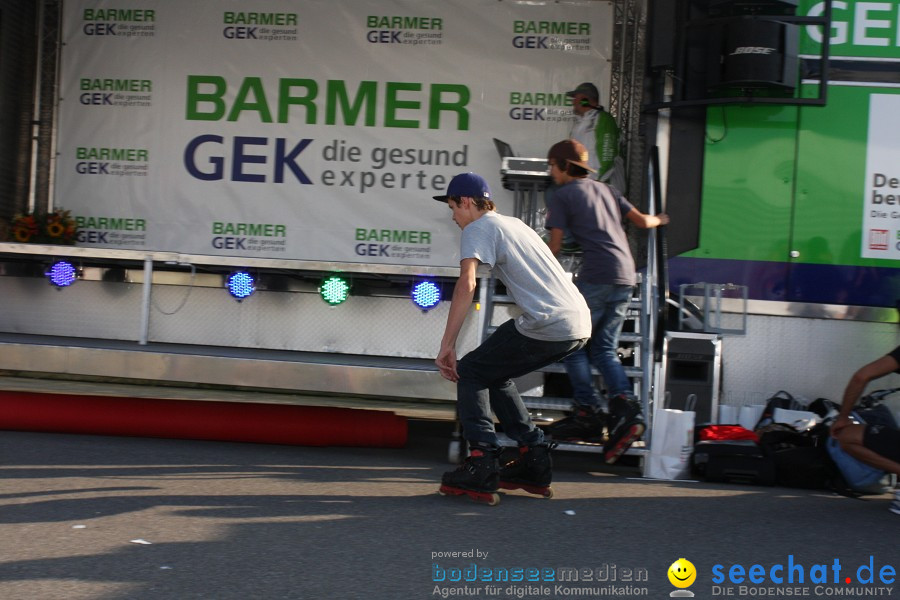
{"x":609,"y":306}
{"x":485,"y":383}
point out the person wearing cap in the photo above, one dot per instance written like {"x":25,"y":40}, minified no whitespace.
{"x":596,"y":129}
{"x":555,"y":321}
{"x":593,"y":213}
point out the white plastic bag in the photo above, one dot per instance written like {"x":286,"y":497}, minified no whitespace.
{"x":801,"y":420}
{"x":671,"y":444}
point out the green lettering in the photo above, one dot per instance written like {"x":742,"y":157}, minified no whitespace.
{"x":249,"y":229}
{"x":214,"y":97}
{"x":113,"y":14}
{"x":254,"y":18}
{"x":392,"y":104}
{"x":552,"y":27}
{"x":206,"y":95}
{"x":285,"y":99}
{"x":241,"y":103}
{"x":336,"y":97}
{"x":437,"y":105}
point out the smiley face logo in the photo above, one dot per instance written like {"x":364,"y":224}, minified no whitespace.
{"x":682,"y":573}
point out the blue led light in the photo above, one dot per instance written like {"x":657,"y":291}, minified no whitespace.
{"x":62,"y":274}
{"x":240,"y":284}
{"x":426,"y":294}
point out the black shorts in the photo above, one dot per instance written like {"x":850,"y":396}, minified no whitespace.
{"x":883,"y":440}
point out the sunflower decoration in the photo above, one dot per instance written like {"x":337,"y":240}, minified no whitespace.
{"x":60,"y":227}
{"x":25,"y":228}
{"x":57,"y":227}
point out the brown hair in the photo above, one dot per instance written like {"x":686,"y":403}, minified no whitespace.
{"x":480,"y":203}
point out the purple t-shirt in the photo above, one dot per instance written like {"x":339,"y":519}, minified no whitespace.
{"x":593,"y":213}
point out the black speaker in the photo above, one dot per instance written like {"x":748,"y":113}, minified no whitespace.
{"x":661,"y":28}
{"x":753,"y":53}
{"x":721,"y":8}
{"x":714,"y":51}
{"x":692,"y":373}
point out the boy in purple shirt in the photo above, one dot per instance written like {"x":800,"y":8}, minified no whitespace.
{"x":593,"y":212}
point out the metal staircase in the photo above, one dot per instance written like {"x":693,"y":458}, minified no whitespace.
{"x":643,"y":313}
{"x":638,"y":341}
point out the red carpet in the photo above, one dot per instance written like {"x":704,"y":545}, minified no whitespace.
{"x":201,"y":420}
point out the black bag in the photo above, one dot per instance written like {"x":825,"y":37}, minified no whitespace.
{"x":781,"y":399}
{"x":825,"y":408}
{"x":733,"y":461}
{"x":800,"y":459}
{"x":871,"y":412}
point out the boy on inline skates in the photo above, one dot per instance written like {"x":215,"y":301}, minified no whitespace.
{"x":555,"y":321}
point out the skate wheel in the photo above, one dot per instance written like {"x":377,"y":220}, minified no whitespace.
{"x":548,"y":493}
{"x":489,"y":498}
{"x":453,"y":452}
{"x":449,"y":491}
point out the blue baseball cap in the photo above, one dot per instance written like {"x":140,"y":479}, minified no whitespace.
{"x":466,"y":184}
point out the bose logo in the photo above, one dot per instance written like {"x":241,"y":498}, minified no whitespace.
{"x":752,"y":50}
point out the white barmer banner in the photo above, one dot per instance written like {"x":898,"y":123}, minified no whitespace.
{"x":312,"y":130}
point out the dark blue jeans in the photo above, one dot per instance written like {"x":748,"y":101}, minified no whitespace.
{"x":609,"y":306}
{"x":485,"y":383}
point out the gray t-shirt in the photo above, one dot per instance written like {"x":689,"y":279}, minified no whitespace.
{"x":593,"y":213}
{"x":553,"y":308}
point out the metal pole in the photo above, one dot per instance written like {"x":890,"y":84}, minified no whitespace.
{"x":36,"y":112}
{"x":145,"y":303}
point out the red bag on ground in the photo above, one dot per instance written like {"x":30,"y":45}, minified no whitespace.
{"x":712,"y":433}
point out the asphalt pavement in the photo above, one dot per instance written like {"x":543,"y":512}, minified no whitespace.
{"x":115,"y":518}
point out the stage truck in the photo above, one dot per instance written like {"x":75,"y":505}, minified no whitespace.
{"x":248,"y":194}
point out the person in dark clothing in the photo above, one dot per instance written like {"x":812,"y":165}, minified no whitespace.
{"x":875,"y":445}
{"x":593,"y":213}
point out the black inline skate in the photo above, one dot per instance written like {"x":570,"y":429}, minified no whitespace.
{"x":626,"y":426}
{"x":586,"y":424}
{"x":478,"y":477}
{"x":531,"y":470}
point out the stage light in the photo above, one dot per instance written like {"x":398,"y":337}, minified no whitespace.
{"x":334,"y":289}
{"x":426,"y":294}
{"x":240,"y":285}
{"x":62,"y":274}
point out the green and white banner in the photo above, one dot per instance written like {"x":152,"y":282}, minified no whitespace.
{"x":855,"y":133}
{"x":313,"y":129}
{"x":881,"y":218}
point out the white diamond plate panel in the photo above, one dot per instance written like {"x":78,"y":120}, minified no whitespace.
{"x":810,"y":358}
{"x":93,"y":309}
{"x":209,"y":316}
{"x":300,"y":321}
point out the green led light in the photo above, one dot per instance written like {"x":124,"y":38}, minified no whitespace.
{"x":334,"y":290}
